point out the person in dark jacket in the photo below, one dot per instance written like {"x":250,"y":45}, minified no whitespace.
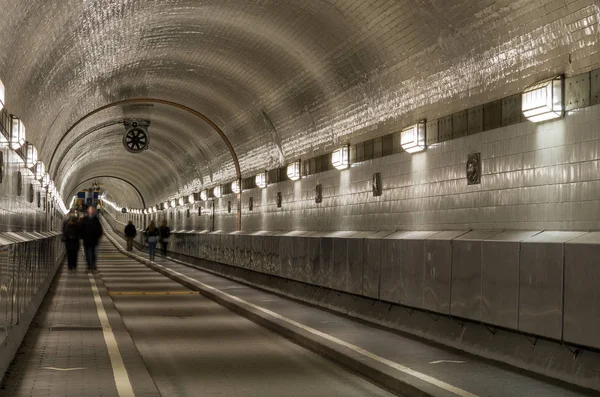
{"x":130,"y":234}
{"x":91,"y":231}
{"x":71,"y":239}
{"x":164,"y":232}
{"x":152,"y":235}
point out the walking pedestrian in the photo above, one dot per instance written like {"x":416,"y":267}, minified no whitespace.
{"x":91,"y":231}
{"x":71,"y":239}
{"x":164,"y":232}
{"x":152,"y":235}
{"x":130,"y":234}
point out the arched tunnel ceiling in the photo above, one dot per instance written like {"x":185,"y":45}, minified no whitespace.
{"x":282,"y":78}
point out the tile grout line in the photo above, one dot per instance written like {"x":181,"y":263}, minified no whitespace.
{"x":121,"y":377}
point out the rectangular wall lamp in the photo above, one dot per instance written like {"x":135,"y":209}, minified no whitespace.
{"x":261,"y":180}
{"x":543,"y":100}
{"x":341,"y":157}
{"x":31,"y":155}
{"x":17,"y":133}
{"x":235,"y":187}
{"x":203,"y":195}
{"x":217,"y":191}
{"x":412,"y":139}
{"x":293,"y":170}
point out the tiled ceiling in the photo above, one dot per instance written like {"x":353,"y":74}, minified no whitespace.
{"x":282,"y":78}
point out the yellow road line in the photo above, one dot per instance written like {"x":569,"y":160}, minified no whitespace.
{"x":155,"y":293}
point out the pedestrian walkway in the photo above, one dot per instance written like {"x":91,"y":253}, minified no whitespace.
{"x":406,"y":363}
{"x":65,"y":352}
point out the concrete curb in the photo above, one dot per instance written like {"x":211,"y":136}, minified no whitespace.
{"x":379,"y":373}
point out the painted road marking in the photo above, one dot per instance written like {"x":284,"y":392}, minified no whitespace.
{"x":447,"y":361}
{"x":156,"y":293}
{"x":64,"y":369}
{"x":116,"y":361}
{"x":419,"y":375}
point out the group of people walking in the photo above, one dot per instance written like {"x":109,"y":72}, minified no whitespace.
{"x":89,"y":230}
{"x":153,"y":236}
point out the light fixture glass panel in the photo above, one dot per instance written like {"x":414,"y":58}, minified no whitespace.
{"x":544,"y":100}
{"x":191,"y":199}
{"x":40,"y":170}
{"x":31,"y":155}
{"x":145,"y":212}
{"x":181,"y":201}
{"x":261,"y":180}
{"x":235,"y":187}
{"x":203,"y":195}
{"x":166,"y":205}
{"x":1,"y":95}
{"x":173,"y":203}
{"x":217,"y":191}
{"x":412,"y":139}
{"x":341,"y":157}
{"x":17,"y":133}
{"x":293,"y":170}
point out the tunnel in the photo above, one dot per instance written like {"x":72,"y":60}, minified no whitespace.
{"x":300,"y":198}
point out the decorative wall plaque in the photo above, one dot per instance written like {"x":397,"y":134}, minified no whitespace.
{"x":319,"y":194}
{"x":39,"y":199}
{"x":19,"y":183}
{"x":229,"y":207}
{"x":1,"y":166}
{"x":279,"y":199}
{"x":30,"y":193}
{"x":474,"y":169}
{"x":250,"y":204}
{"x":199,"y":211}
{"x":377,"y":184}
{"x":188,"y":213}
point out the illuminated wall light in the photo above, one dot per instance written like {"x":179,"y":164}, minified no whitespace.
{"x":235,"y":187}
{"x":217,"y":191}
{"x":341,"y":157}
{"x":166,"y":205}
{"x":293,"y":170}
{"x":17,"y":133}
{"x":40,"y":170}
{"x":261,"y":180}
{"x":157,"y":208}
{"x":31,"y":155}
{"x":181,"y":201}
{"x":544,"y":100}
{"x":173,"y":203}
{"x":145,"y":212}
{"x":412,"y":139}
{"x":191,"y":199}
{"x":203,"y":195}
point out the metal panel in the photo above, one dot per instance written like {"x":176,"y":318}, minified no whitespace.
{"x":460,"y":124}
{"x":438,"y":271}
{"x":577,"y":91}
{"x":391,"y":268}
{"x":582,"y":300}
{"x":595,"y":87}
{"x":431,"y":131}
{"x":500,"y":278}
{"x":492,"y":115}
{"x":413,"y":258}
{"x":286,"y":255}
{"x":475,"y":120}
{"x":340,"y":276}
{"x":541,"y":283}
{"x":314,"y":260}
{"x":355,"y":263}
{"x":372,"y":264}
{"x":465,"y":289}
{"x":445,"y":128}
{"x":511,"y":109}
{"x":274,"y":261}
